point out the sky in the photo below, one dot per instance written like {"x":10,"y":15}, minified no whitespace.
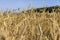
{"x":25,"y":4}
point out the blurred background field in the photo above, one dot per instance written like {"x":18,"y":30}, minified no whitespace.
{"x":29,"y":26}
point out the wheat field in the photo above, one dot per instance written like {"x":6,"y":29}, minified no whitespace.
{"x":29,"y":26}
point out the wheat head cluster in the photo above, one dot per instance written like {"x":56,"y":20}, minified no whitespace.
{"x":29,"y":26}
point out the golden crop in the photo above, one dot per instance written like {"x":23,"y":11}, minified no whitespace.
{"x":29,"y":26}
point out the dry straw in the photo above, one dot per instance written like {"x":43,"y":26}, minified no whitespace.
{"x":29,"y":26}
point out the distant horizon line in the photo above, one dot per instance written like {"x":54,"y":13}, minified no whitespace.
{"x":16,"y":9}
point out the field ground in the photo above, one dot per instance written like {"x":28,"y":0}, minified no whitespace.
{"x":30,"y":26}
